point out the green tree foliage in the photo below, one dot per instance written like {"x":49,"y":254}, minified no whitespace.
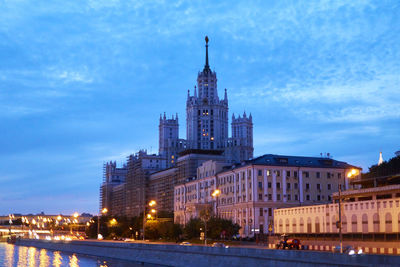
{"x":192,"y":228}
{"x":390,"y":167}
{"x":219,"y":228}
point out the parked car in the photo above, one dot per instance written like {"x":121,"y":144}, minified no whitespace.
{"x":347,"y":250}
{"x":219,"y":245}
{"x":286,"y":242}
{"x":185,"y":243}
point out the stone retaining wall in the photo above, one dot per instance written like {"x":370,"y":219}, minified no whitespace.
{"x":175,"y":255}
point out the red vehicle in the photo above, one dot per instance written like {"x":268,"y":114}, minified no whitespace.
{"x":286,"y":242}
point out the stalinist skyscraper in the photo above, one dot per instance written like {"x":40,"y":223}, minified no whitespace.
{"x":206,"y":114}
{"x":207,"y":123}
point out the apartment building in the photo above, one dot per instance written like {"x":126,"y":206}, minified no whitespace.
{"x":249,"y":192}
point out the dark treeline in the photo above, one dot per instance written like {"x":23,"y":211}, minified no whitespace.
{"x":387,"y":168}
{"x":163,"y":228}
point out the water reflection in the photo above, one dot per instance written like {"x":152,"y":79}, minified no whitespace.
{"x":16,"y":256}
{"x":57,"y":259}
{"x":22,"y":252}
{"x":73,"y":261}
{"x":9,"y":256}
{"x":43,"y":258}
{"x":31,"y":257}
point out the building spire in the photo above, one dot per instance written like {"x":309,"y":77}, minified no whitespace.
{"x":380,"y":158}
{"x":195,"y":91}
{"x":206,"y":66}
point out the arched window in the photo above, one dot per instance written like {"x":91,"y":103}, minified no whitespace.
{"x":309,"y":229}
{"x":398,"y":223}
{"x":354,"y":223}
{"x":317,"y":225}
{"x":364,"y":223}
{"x":280,"y":229}
{"x":302,"y":224}
{"x":375,"y":220}
{"x":287,"y":226}
{"x":294,"y":226}
{"x":388,"y":222}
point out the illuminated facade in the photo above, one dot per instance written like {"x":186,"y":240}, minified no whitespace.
{"x":252,"y":190}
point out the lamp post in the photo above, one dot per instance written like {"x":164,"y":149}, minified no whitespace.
{"x":215,"y":194}
{"x":350,"y":174}
{"x":75,"y":221}
{"x":152,"y":203}
{"x":103,"y":211}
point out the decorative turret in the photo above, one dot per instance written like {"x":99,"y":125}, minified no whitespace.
{"x":226,"y":96}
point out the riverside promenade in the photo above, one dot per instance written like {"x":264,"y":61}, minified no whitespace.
{"x":176,"y":255}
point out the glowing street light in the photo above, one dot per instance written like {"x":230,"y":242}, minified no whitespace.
{"x":103,"y":211}
{"x":152,"y":203}
{"x":215,"y":194}
{"x":113,"y":222}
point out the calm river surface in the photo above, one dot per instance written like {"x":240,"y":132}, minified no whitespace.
{"x":11,"y":255}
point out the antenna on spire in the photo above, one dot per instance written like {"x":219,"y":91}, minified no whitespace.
{"x":206,"y":67}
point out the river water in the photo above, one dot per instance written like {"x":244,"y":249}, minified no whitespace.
{"x":11,"y":255}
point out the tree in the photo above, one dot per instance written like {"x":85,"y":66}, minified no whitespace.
{"x":192,"y":228}
{"x":222,"y":228}
{"x":390,"y":167}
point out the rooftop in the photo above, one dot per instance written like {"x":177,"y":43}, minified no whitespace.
{"x":297,"y":161}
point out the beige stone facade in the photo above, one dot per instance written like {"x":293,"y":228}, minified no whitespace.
{"x":251,"y":191}
{"x":370,"y":210}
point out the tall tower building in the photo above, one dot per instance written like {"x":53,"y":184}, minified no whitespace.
{"x":168,"y":141}
{"x":242,"y":136}
{"x":206,"y":114}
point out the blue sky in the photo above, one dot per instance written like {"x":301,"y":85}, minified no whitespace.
{"x":83,"y":82}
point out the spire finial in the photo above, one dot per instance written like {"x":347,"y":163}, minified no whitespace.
{"x":206,"y":67}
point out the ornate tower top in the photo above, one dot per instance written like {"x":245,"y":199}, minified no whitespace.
{"x":206,"y":66}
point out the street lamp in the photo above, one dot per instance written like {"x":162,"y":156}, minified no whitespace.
{"x":215,"y":194}
{"x":152,"y":203}
{"x":350,"y":174}
{"x":103,"y":211}
{"x":75,"y":221}
{"x":113,"y":222}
